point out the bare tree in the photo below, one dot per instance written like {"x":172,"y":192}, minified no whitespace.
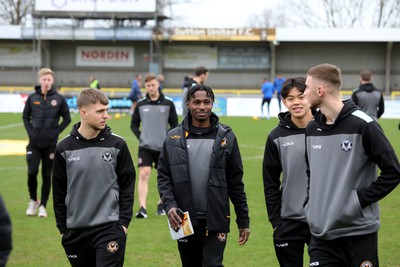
{"x":341,"y":13}
{"x":14,"y":11}
{"x":269,"y":18}
{"x":166,"y":8}
{"x":388,"y":13}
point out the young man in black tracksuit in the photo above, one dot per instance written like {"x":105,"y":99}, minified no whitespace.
{"x":93,"y":187}
{"x":367,"y":97}
{"x":200,"y":169}
{"x":344,"y":148}
{"x":284,"y":154}
{"x":154,"y":112}
{"x":41,"y":116}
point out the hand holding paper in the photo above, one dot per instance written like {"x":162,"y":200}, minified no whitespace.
{"x":184,"y":228}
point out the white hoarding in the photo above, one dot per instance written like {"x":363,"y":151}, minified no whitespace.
{"x":96,"y":5}
{"x":105,"y":56}
{"x":12,"y":103}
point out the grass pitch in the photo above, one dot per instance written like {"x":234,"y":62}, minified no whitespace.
{"x":37,"y":241}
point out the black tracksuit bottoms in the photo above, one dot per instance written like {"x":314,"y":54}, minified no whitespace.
{"x":102,"y":245}
{"x":203,"y":248}
{"x":290,"y":238}
{"x":349,"y":251}
{"x":33,"y":157}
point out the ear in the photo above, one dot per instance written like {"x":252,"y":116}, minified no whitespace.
{"x":320,"y":91}
{"x":284,"y":102}
{"x":83,"y":113}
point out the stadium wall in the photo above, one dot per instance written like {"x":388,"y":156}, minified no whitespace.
{"x":292,"y":58}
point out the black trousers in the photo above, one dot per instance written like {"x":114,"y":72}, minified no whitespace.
{"x":289,"y":240}
{"x":279,"y":96}
{"x":351,"y":251}
{"x":33,"y":157}
{"x":202,"y":249}
{"x":268,"y":100}
{"x":99,"y":246}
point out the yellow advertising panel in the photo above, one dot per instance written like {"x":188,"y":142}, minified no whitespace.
{"x":219,"y":34}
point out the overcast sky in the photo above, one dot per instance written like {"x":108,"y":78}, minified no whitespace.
{"x":219,"y":13}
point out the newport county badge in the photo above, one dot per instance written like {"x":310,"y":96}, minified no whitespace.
{"x":366,"y":264}
{"x":112,"y":246}
{"x":107,"y":156}
{"x":346,"y":145}
{"x":224,"y":142}
{"x":221,"y":237}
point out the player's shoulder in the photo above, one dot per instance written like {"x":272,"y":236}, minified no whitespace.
{"x":141,"y":101}
{"x":168,"y":98}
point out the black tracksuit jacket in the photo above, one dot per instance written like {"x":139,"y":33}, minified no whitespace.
{"x":93,"y":181}
{"x":224,"y":183}
{"x":41,"y":117}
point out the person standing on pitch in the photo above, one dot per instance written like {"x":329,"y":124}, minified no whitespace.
{"x":200,"y":169}
{"x":367,"y":97}
{"x":278,"y":83}
{"x":93,"y":187}
{"x":267,"y":89}
{"x":154,"y":112}
{"x":41,"y":117}
{"x":344,"y":148}
{"x":284,"y":154}
{"x":135,"y":94}
{"x":160,"y":79}
{"x":200,"y":77}
{"x":94,"y":83}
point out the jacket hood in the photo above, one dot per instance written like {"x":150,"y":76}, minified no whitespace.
{"x":187,"y":122}
{"x":189,"y":83}
{"x":160,"y":98}
{"x":52,"y":91}
{"x":285,"y":120}
{"x":106,"y":132}
{"x":369,"y":87}
{"x":348,"y":108}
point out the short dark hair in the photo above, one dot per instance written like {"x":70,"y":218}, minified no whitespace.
{"x":328,"y":73}
{"x":200,"y":87}
{"x":200,"y":70}
{"x":91,"y":96}
{"x":298,"y":82}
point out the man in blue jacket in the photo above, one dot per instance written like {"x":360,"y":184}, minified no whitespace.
{"x":278,"y":83}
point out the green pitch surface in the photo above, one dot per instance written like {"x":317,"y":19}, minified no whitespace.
{"x":37,"y":241}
